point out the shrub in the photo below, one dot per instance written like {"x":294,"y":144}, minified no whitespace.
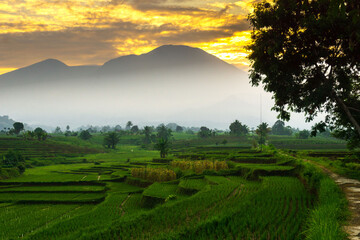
{"x":13,"y":158}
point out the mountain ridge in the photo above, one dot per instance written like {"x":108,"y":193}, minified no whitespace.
{"x":167,"y":55}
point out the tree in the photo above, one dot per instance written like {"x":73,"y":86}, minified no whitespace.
{"x":238,"y":129}
{"x":128,"y":125}
{"x":147,"y":133}
{"x":304,"y":134}
{"x":85,"y":135}
{"x":28,"y":135}
{"x":118,"y":128}
{"x":67,"y":132}
{"x":179,"y":129}
{"x":163,"y":145}
{"x":40,"y":134}
{"x":135,"y":129}
{"x":307,"y":53}
{"x":18,"y":127}
{"x":13,"y":158}
{"x":279,"y":128}
{"x":205,"y":132}
{"x":111,"y":140}
{"x":163,"y":132}
{"x":262,"y":131}
{"x":57,"y":130}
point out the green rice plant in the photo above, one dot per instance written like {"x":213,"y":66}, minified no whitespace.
{"x":192,"y":185}
{"x":325,"y":220}
{"x":238,"y":209}
{"x":160,"y":190}
{"x":52,"y":197}
{"x":52,"y":189}
{"x":100,"y":217}
{"x":17,"y":221}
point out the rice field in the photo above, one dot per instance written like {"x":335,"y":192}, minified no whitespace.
{"x":240,"y":193}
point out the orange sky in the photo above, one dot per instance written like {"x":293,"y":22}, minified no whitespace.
{"x":83,"y":32}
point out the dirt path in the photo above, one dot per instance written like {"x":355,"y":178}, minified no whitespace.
{"x":351,"y":188}
{"x":121,"y":207}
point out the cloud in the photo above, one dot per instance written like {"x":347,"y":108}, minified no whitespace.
{"x":194,"y":36}
{"x":163,"y":6}
{"x":92,"y":32}
{"x":78,"y":46}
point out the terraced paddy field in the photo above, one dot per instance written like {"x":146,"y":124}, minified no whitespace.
{"x":44,"y":153}
{"x":215,"y":192}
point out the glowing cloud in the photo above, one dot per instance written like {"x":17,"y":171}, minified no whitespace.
{"x":91,"y":32}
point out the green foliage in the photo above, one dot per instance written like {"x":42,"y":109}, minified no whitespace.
{"x":40,"y":134}
{"x":134,"y":129}
{"x":179,"y":129}
{"x":279,"y":128}
{"x":307,"y":54}
{"x":326,"y":218}
{"x":28,"y":135}
{"x":18,"y":127}
{"x":13,"y":158}
{"x":225,"y":206}
{"x":205,"y":132}
{"x":304,"y":134}
{"x":163,"y":145}
{"x":111,"y":140}
{"x":129,"y":124}
{"x":262,"y":131}
{"x":148,"y":136}
{"x":163,"y":132}
{"x":85,"y":135}
{"x":238,"y":129}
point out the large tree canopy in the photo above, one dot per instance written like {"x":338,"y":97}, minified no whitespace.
{"x":307,"y":53}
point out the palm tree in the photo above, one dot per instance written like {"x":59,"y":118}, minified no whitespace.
{"x":262,"y":131}
{"x":163,"y":146}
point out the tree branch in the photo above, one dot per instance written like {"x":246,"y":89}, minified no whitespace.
{"x":347,"y":111}
{"x":351,"y":108}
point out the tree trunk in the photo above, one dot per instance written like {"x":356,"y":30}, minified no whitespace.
{"x":348,"y":113}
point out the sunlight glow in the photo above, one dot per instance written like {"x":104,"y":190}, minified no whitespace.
{"x":135,"y":29}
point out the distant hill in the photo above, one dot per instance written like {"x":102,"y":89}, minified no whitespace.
{"x":175,"y":60}
{"x":171,"y":83}
{"x":6,"y":122}
{"x":167,"y":58}
{"x":50,"y":70}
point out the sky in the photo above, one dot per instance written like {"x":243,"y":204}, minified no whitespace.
{"x":91,"y":32}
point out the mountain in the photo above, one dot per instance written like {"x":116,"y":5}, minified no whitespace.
{"x":154,"y":86}
{"x":50,"y":70}
{"x":167,"y":58}
{"x":6,"y":122}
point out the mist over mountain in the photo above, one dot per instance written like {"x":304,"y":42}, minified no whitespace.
{"x":6,"y":122}
{"x":171,"y":83}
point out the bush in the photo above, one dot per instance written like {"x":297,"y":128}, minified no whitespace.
{"x":21,"y":168}
{"x":85,"y":135}
{"x":13,"y":158}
